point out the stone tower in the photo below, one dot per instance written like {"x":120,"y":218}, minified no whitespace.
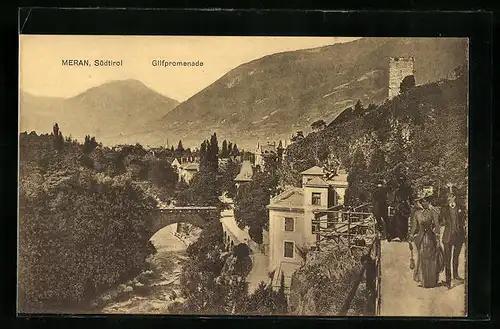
{"x":399,"y":68}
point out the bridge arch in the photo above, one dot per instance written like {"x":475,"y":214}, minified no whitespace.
{"x":197,"y":216}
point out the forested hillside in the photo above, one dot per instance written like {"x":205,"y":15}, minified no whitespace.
{"x":425,"y":129}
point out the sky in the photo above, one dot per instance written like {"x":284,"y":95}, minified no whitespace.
{"x":42,"y":73}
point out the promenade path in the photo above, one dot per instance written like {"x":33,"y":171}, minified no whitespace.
{"x":401,"y":296}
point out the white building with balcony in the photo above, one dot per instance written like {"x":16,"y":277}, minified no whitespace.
{"x":291,"y":218}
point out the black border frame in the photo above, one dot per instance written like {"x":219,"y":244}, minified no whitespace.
{"x":477,"y":26}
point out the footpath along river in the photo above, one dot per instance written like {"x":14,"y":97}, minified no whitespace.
{"x":157,"y":294}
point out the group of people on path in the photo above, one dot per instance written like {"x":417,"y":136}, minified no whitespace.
{"x":425,"y":228}
{"x":394,"y":225}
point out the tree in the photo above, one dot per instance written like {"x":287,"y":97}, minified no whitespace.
{"x":318,"y":125}
{"x":398,"y":150}
{"x":55,"y":129}
{"x":66,"y":250}
{"x":226,"y":180}
{"x":281,"y":300}
{"x":262,"y":301}
{"x":199,"y":277}
{"x":407,"y":83}
{"x":203,"y":190}
{"x":214,"y":152}
{"x":180,"y":148}
{"x":235,"y":151}
{"x":358,"y":108}
{"x":209,"y":154}
{"x":224,"y":153}
{"x":298,"y":136}
{"x":378,"y":165}
{"x":357,"y":180}
{"x":89,"y":144}
{"x":57,"y":139}
{"x":243,"y":263}
{"x":250,"y":210}
{"x":204,"y":154}
{"x":163,"y":175}
{"x":371,"y":107}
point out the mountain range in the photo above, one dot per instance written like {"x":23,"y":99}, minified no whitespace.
{"x":107,"y":111}
{"x":268,"y":98}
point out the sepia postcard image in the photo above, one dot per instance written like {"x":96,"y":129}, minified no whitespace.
{"x":302,"y":176}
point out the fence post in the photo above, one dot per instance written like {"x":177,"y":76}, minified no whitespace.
{"x":378,"y":257}
{"x":370,"y":274}
{"x":349,"y":228}
{"x":318,"y":235}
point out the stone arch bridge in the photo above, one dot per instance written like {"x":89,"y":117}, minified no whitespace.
{"x":197,"y":216}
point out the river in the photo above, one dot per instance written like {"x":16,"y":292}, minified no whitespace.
{"x":163,"y":287}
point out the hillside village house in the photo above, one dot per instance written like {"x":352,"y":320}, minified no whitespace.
{"x":223,"y":163}
{"x":175,"y":164}
{"x":269,"y":149}
{"x":245,"y":174}
{"x":186,"y":168}
{"x":187,"y":171}
{"x":291,"y":216}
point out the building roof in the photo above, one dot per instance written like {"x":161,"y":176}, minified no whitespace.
{"x":191,"y":166}
{"x":317,"y":181}
{"x":291,"y":198}
{"x":313,"y":171}
{"x":339,"y":180}
{"x":246,"y":172}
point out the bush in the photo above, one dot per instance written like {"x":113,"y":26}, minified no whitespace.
{"x":265,"y":301}
{"x":243,"y":264}
{"x":321,"y":286}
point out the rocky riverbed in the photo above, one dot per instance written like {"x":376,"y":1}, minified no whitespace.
{"x":152,"y":291}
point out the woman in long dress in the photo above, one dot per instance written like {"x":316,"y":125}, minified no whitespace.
{"x":425,"y":235}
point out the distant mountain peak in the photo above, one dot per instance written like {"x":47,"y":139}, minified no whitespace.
{"x":124,"y":82}
{"x":117,"y":107}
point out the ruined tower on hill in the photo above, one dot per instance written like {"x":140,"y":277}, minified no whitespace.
{"x":399,"y":68}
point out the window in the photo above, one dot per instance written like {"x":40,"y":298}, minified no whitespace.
{"x":316,"y":198}
{"x":289,"y":249}
{"x":289,"y":224}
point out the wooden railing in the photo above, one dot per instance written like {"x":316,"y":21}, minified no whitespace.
{"x":336,"y":225}
{"x":349,"y":227}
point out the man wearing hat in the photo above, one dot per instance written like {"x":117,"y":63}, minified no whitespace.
{"x":425,"y":234}
{"x":380,"y":208}
{"x":452,"y":215}
{"x":401,"y":203}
